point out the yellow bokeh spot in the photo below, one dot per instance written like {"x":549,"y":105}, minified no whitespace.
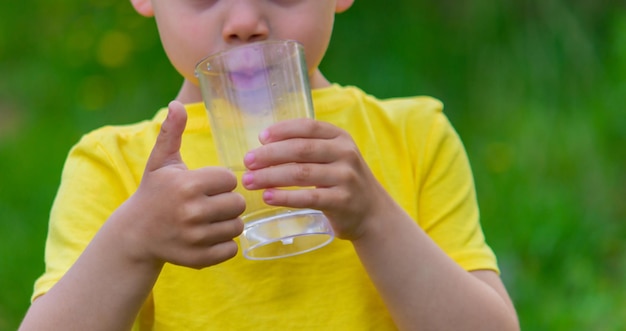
{"x":114,"y":49}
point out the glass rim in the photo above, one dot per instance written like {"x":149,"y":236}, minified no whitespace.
{"x":199,"y":68}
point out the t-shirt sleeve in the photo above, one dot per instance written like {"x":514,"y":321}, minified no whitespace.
{"x":448,"y":209}
{"x":91,"y":189}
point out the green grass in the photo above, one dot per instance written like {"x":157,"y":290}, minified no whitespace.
{"x":536,"y":89}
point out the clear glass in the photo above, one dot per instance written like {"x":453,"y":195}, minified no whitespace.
{"x":246,"y":89}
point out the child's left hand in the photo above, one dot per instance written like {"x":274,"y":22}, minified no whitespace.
{"x":325,"y":162}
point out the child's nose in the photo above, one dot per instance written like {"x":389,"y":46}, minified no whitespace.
{"x":245,"y":22}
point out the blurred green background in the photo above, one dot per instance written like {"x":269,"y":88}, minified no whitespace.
{"x":536,"y":89}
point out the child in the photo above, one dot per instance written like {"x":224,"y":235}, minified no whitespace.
{"x":143,"y":230}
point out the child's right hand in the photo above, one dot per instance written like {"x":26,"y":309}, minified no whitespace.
{"x":181,"y":216}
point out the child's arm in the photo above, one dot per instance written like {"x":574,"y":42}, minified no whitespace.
{"x":177,"y":215}
{"x":421,"y":286}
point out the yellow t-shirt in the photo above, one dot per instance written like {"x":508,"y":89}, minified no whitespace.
{"x":411,"y":148}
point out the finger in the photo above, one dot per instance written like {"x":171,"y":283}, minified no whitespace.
{"x":223,"y":207}
{"x":222,"y":231}
{"x":166,"y":150}
{"x":292,"y":150}
{"x":202,"y":256}
{"x":298,"y":128}
{"x":211,"y":181}
{"x":315,"y":198}
{"x":221,"y":252}
{"x":212,"y":231}
{"x":294,"y":174}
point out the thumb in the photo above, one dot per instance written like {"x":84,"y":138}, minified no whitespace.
{"x":166,"y":150}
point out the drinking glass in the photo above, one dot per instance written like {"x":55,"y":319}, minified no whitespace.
{"x":246,"y":89}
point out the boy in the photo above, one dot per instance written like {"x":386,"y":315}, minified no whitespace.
{"x":141,"y":239}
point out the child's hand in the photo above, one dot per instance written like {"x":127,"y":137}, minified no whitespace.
{"x":185,"y":217}
{"x":325,"y":161}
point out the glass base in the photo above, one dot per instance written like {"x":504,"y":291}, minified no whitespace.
{"x":281,"y":233}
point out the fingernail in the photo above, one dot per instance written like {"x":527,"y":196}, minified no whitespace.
{"x":268,"y":195}
{"x":263,"y":135}
{"x":248,"y":158}
{"x":247,"y":179}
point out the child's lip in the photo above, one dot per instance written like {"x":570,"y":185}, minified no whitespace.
{"x":247,"y":68}
{"x":248,"y":79}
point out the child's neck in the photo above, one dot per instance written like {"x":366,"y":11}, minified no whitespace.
{"x":189,"y":93}
{"x":317,"y":80}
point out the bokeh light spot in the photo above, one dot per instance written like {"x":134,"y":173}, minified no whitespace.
{"x":114,"y":49}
